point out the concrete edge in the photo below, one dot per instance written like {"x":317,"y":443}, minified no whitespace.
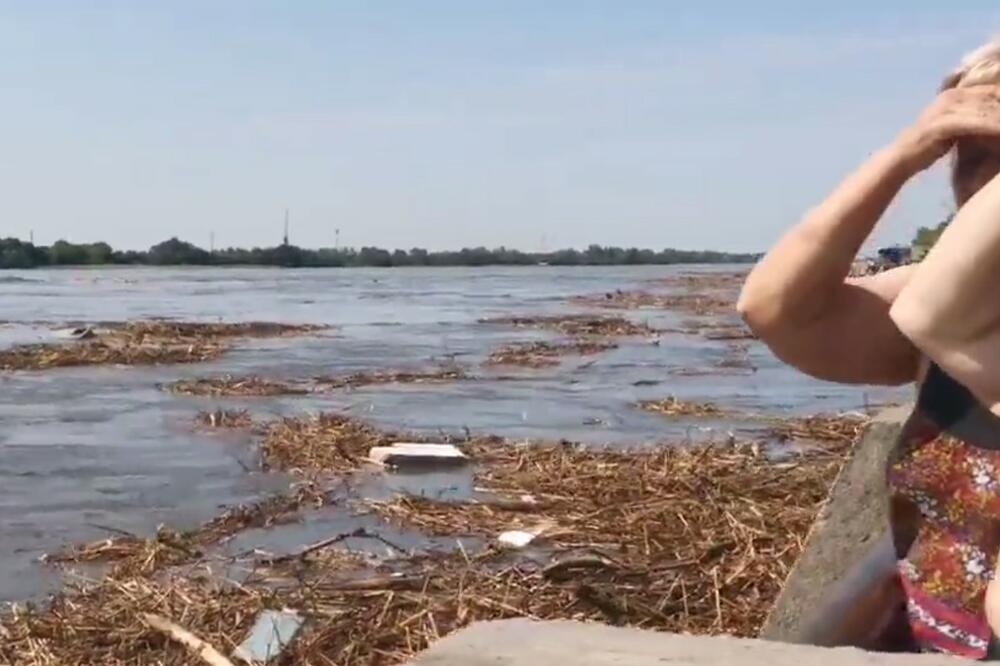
{"x":528,"y":643}
{"x":848,"y":552}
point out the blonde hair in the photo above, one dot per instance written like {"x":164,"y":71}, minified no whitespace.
{"x":979,"y":67}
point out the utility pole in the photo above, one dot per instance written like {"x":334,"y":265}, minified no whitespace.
{"x":336,"y":239}
{"x":31,"y":236}
{"x":286,"y":227}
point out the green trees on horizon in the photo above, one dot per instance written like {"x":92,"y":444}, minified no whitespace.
{"x":926,"y":237}
{"x":15,"y":253}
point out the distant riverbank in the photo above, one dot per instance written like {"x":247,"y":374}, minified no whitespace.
{"x":174,"y":252}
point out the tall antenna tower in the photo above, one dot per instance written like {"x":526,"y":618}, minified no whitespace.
{"x":286,"y":228}
{"x":336,"y":239}
{"x":211,"y":242}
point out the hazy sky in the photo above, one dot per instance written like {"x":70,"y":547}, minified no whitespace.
{"x":469,"y":122}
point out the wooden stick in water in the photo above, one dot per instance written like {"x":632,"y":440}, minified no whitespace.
{"x":197,"y":646}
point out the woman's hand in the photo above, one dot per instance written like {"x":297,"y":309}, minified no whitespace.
{"x":955,"y":114}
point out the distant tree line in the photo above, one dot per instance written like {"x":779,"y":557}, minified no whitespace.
{"x":17,"y":254}
{"x":926,"y":237}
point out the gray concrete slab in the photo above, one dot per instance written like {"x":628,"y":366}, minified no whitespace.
{"x":837,"y":592}
{"x":527,"y":643}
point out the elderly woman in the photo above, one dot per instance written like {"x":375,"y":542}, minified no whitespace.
{"x":936,"y":324}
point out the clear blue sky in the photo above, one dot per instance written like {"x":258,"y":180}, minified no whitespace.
{"x":467,"y":122}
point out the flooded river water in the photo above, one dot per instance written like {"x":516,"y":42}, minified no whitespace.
{"x":85,"y":451}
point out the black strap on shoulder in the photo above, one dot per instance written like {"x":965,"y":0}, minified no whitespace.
{"x":953,"y":408}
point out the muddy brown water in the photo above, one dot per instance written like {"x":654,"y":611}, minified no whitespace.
{"x":87,"y":449}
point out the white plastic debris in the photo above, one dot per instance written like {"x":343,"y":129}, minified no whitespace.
{"x":521,"y":538}
{"x":406,"y":453}
{"x":271,"y":633}
{"x":516,"y":539}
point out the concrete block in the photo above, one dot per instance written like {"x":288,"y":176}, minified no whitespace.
{"x":528,"y":643}
{"x":836,"y":592}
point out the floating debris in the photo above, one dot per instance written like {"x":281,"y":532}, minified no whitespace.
{"x":270,"y":635}
{"x":714,"y":523}
{"x":709,"y":371}
{"x":278,"y":509}
{"x":235,"y":419}
{"x":144,"y":343}
{"x":334,"y":444}
{"x":213,"y":330}
{"x":408,"y":454}
{"x":705,"y":281}
{"x":517,"y":539}
{"x":106,"y":623}
{"x":105,"y":350}
{"x":578,"y":325}
{"x":359,"y":379}
{"x":328,"y":443}
{"x":234,"y":386}
{"x":199,"y":648}
{"x":134,"y":555}
{"x":699,"y":304}
{"x":679,"y":540}
{"x":723,"y":332}
{"x":253,"y":386}
{"x":673,"y":407}
{"x":705,"y":295}
{"x":838,"y":429}
{"x":546,"y":354}
{"x":78,"y":333}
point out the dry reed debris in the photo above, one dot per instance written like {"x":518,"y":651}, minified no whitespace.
{"x":835,"y":429}
{"x":359,"y":379}
{"x":676,"y":539}
{"x":327,"y":443}
{"x":681,"y":540}
{"x":145,"y":343}
{"x":234,"y":419}
{"x":672,"y":539}
{"x":135,"y":555}
{"x":545,"y":354}
{"x":230,"y":386}
{"x":673,"y":407}
{"x":576,"y":325}
{"x":705,"y":281}
{"x":698,"y":304}
{"x":726,"y":332}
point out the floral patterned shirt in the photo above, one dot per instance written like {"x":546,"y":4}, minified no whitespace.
{"x":946,"y":467}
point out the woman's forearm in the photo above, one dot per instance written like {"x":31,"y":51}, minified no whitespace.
{"x":798,"y":278}
{"x":953,"y":298}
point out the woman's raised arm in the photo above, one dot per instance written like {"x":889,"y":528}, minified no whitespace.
{"x":801,"y":303}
